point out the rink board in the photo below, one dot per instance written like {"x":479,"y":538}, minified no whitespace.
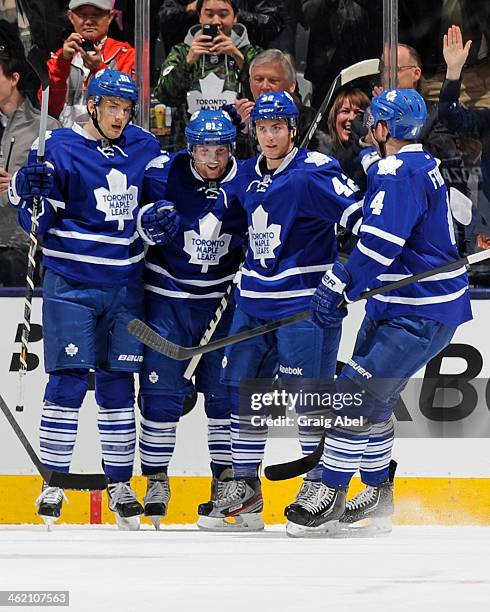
{"x":441,"y":479}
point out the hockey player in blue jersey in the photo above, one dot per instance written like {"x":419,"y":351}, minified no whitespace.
{"x":92,"y":183}
{"x":407,"y":228}
{"x":293,"y":199}
{"x":184,"y":282}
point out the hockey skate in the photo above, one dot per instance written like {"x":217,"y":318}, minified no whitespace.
{"x":369,"y":512}
{"x":318,"y":514}
{"x":49,"y":504}
{"x":239,"y":506}
{"x":204,"y":510}
{"x":307,"y":490}
{"x":123,"y":502}
{"x":156,"y":498}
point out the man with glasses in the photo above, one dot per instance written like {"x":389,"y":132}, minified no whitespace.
{"x":86,"y":51}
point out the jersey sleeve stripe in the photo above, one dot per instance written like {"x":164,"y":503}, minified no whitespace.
{"x":349,"y":211}
{"x":421,"y":301}
{"x":388,"y":278}
{"x":374,"y":255}
{"x":376,"y":231}
{"x":103,"y":261}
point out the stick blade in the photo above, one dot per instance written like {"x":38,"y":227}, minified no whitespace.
{"x":76,"y":482}
{"x":38,"y":60}
{"x":292,"y":469}
{"x":151,"y":339}
{"x":361,"y":69}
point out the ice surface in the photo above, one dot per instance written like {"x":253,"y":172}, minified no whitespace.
{"x":180,"y":569}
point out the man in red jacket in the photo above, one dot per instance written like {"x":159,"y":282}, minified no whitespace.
{"x":87,"y":50}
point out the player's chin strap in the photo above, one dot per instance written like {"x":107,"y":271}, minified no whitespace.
{"x":95,"y":121}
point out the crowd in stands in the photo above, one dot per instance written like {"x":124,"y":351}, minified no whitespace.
{"x":206,"y":53}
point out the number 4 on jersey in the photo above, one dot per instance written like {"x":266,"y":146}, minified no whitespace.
{"x":378,"y":203}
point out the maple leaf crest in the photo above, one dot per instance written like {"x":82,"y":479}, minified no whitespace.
{"x":118,"y":202}
{"x":391,"y":95}
{"x":208,"y":246}
{"x":319,"y":159}
{"x":211,"y":94}
{"x":264,"y":238}
{"x":389,"y":165}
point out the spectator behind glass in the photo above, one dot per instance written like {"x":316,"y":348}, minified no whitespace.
{"x":345,"y":131}
{"x":21,"y":123}
{"x":436,"y":137}
{"x":86,"y":51}
{"x":264,"y":19}
{"x":207,"y":71}
{"x":273,"y":70}
{"x":473,"y":123}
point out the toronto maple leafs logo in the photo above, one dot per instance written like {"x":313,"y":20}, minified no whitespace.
{"x":71,"y":349}
{"x":319,"y":159}
{"x":211,"y":94}
{"x":118,"y":202}
{"x":153,"y":377}
{"x":389,"y":165}
{"x":391,"y":95}
{"x":208,"y":246}
{"x":263,"y":238}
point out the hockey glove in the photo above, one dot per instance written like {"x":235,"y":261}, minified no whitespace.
{"x":158,"y":223}
{"x":32,"y":180}
{"x":235,"y":116}
{"x":329,"y":295}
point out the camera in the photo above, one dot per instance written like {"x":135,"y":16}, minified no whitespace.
{"x":210,"y":29}
{"x":88,"y":46}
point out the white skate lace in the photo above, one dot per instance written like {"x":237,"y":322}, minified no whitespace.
{"x":319,"y":499}
{"x":158,"y":492}
{"x":51,"y":495}
{"x":364,"y":498}
{"x":307,"y":492}
{"x":121,"y":493}
{"x":233,"y":490}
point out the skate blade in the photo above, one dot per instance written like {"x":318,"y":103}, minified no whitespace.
{"x":49,"y":521}
{"x":241,"y":522}
{"x":366,"y":528}
{"x":155,"y":520}
{"x":128,"y":523}
{"x":327,"y":530}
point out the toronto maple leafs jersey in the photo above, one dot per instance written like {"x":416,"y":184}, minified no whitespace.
{"x":88,"y":223}
{"x":407,"y":228}
{"x":202,"y":260}
{"x":292,"y":214}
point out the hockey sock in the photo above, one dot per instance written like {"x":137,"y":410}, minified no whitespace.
{"x":117,"y":430}
{"x":58,"y":433}
{"x":342,"y":454}
{"x":376,"y":459}
{"x":158,"y":427}
{"x":219,"y":437}
{"x":248,"y":438}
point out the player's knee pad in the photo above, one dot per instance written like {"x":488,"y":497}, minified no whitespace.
{"x":114,"y":389}
{"x":67,"y":388}
{"x":354,"y":400}
{"x":161,"y":408}
{"x":217,"y":407}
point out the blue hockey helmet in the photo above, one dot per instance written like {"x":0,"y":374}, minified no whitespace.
{"x":112,"y":83}
{"x":274,"y":105}
{"x":210,"y":127}
{"x":404,"y":111}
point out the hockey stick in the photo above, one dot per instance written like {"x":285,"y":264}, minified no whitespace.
{"x":37,"y":60}
{"x":213,"y":324}
{"x":351,"y":73}
{"x":291,"y":469}
{"x":150,"y":338}
{"x":53,"y":478}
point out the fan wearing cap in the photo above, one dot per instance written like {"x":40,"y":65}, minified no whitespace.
{"x":293,"y":198}
{"x":91,"y":187}
{"x":86,"y":51}
{"x":185,"y":281}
